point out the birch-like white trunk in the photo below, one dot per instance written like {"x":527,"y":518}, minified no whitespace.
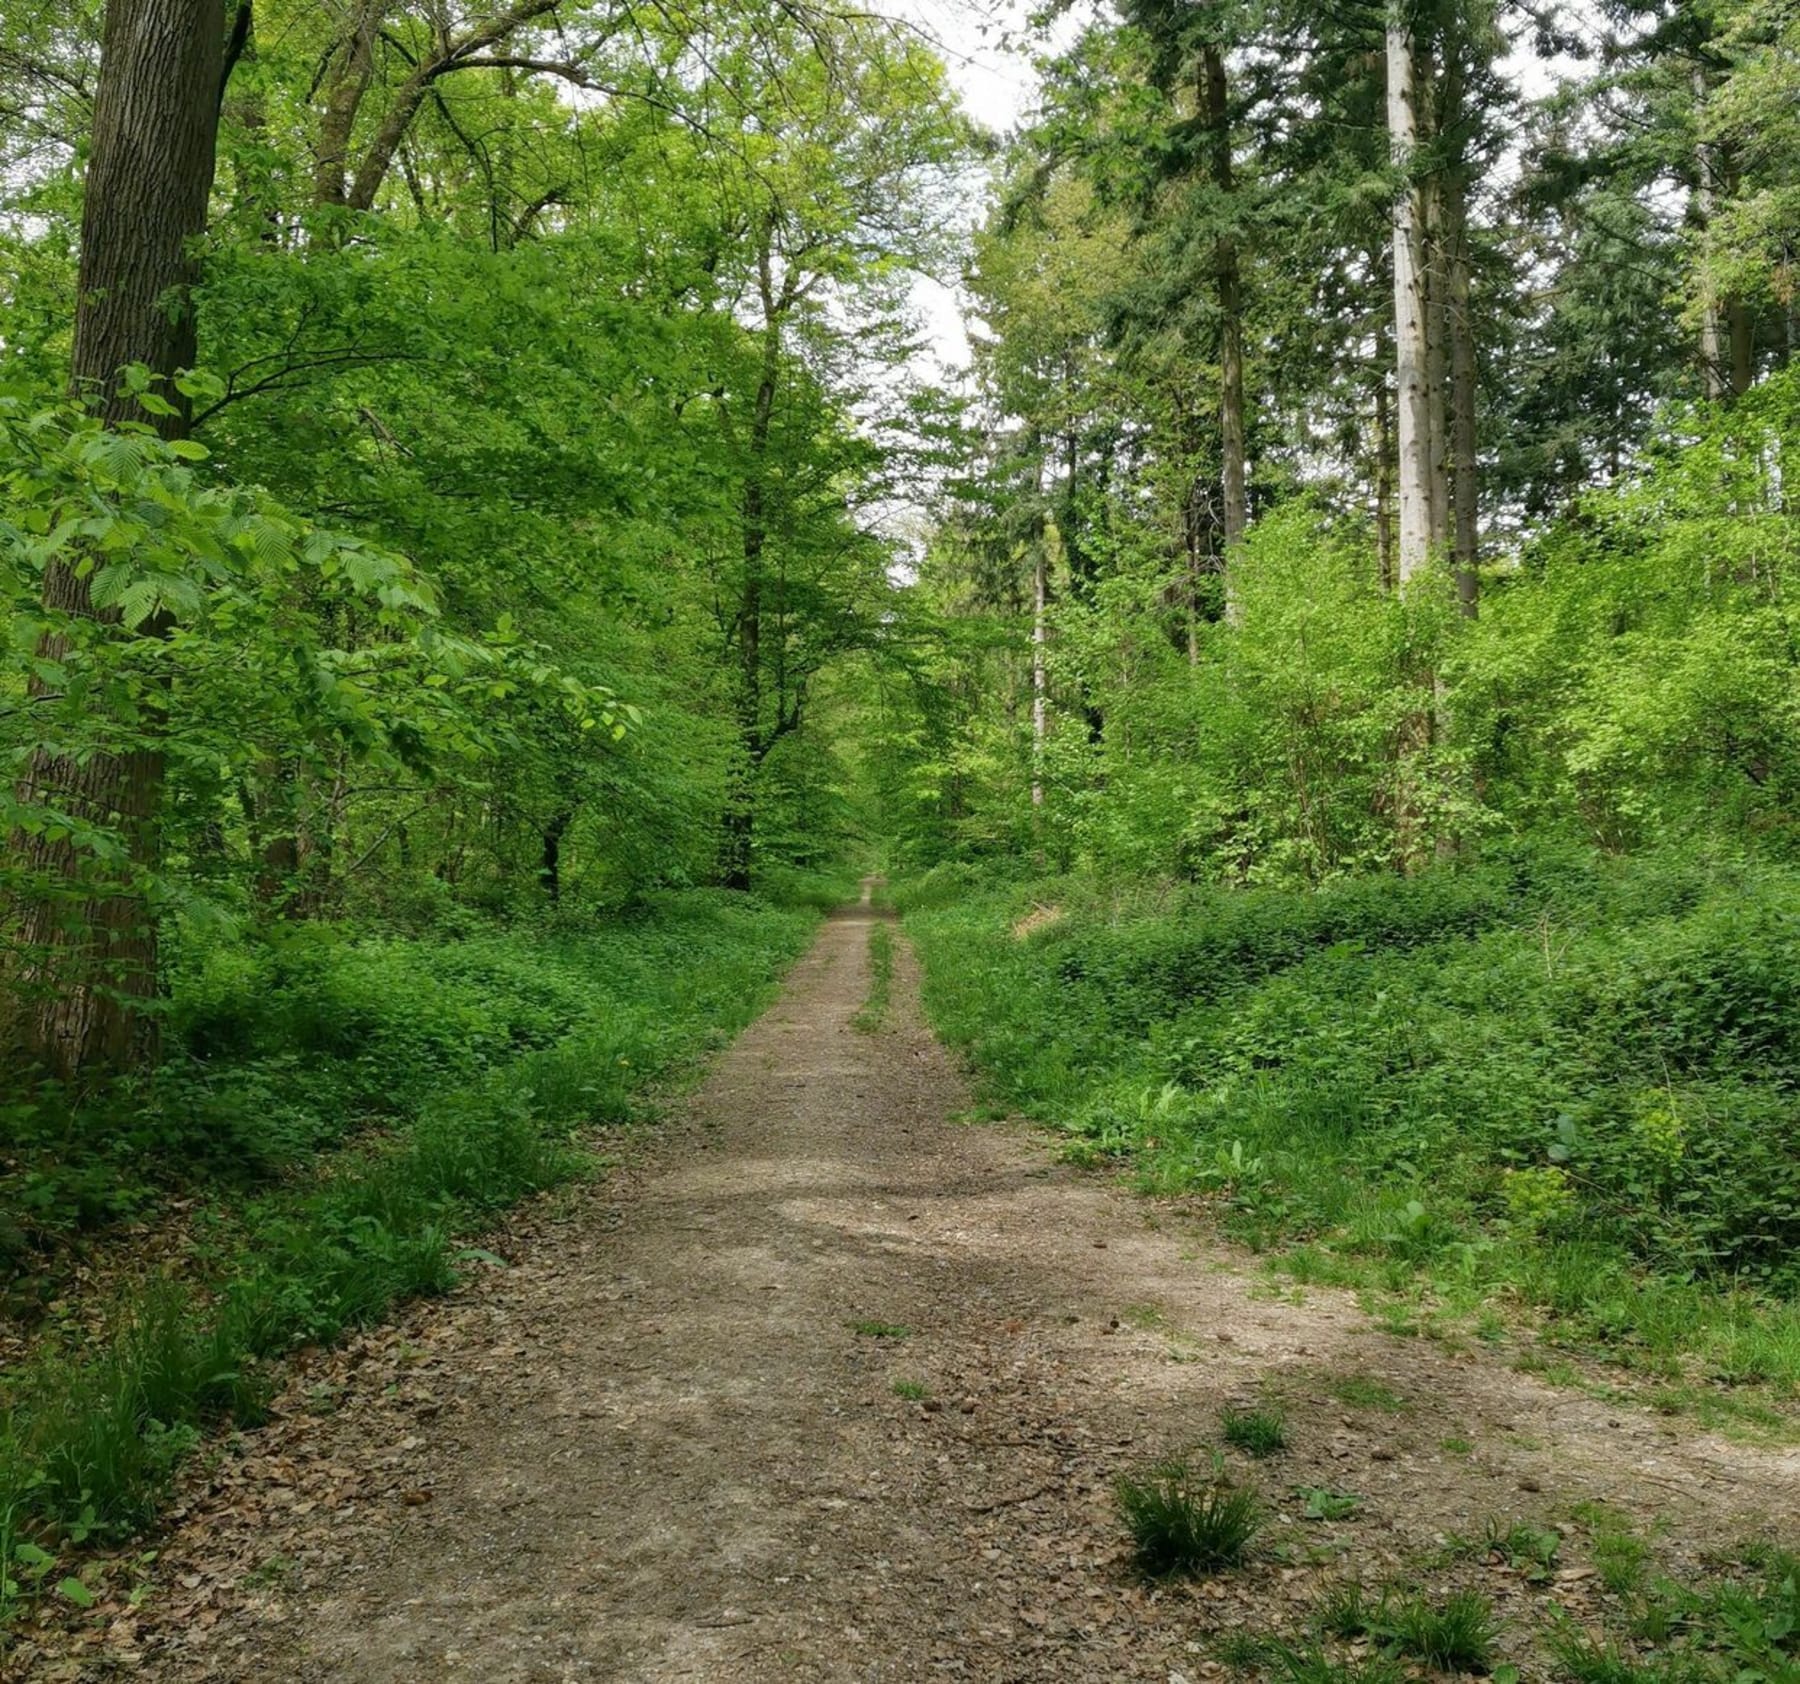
{"x":1040,"y":678}
{"x":1411,"y":329}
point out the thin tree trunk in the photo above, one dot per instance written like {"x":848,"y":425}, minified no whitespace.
{"x":1411,"y":355}
{"x":1232,"y":426}
{"x":1437,"y":361}
{"x":1384,"y":481}
{"x":550,"y":864}
{"x":1465,"y":482}
{"x":1706,"y":201}
{"x":89,"y":937}
{"x":738,"y":831}
{"x":354,"y":68}
{"x":1040,"y":644}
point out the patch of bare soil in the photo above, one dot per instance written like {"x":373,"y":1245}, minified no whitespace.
{"x":1040,"y":917}
{"x":665,"y":1442}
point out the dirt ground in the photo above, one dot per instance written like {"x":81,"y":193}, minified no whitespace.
{"x":665,"y":1441}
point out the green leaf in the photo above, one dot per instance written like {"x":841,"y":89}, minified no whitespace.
{"x":77,"y":1592}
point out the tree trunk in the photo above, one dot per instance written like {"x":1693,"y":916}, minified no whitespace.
{"x":1232,"y":428}
{"x":1743,"y":347}
{"x":355,"y":66}
{"x":550,"y":865}
{"x":1040,"y":644}
{"x":1411,"y":350}
{"x":1465,"y":490}
{"x":1383,"y":442}
{"x":1706,"y":200}
{"x":1384,"y":482}
{"x":91,"y":941}
{"x":1437,"y":361}
{"x":738,"y":831}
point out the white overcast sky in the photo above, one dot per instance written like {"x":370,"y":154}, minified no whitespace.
{"x":980,"y":42}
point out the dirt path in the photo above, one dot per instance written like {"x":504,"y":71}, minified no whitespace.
{"x":666,"y":1443}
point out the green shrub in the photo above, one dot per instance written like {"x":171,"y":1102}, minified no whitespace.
{"x":1568,"y":1079}
{"x":562,"y":1034}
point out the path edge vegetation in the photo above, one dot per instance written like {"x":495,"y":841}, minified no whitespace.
{"x":1176,"y":1034}
{"x":95,"y":1428}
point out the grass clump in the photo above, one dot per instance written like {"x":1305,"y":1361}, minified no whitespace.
{"x":1456,"y":1635}
{"x":1187,"y":1520}
{"x":1312,"y":1665}
{"x":1256,"y":1432}
{"x":1346,"y":1611}
{"x":1360,"y":1392}
{"x":914,"y":1391}
{"x":880,"y":1330}
{"x":1243,"y":1650}
{"x":1583,"y":1658}
{"x":874,"y":1008}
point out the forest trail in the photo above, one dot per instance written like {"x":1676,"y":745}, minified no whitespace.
{"x":660,"y":1446}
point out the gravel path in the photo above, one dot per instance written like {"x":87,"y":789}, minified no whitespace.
{"x":673,"y":1440}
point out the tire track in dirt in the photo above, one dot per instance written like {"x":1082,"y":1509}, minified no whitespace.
{"x":658,"y":1447}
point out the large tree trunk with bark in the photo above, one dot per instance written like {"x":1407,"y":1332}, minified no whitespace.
{"x":1705,"y":207}
{"x":737,"y":834}
{"x":351,"y":70}
{"x":88,"y":937}
{"x":1437,"y":367}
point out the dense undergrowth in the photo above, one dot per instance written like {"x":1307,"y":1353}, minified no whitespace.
{"x":342,"y":1110}
{"x":1560,"y":1081}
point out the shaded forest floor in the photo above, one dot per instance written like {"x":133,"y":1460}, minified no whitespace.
{"x":825,"y":1383}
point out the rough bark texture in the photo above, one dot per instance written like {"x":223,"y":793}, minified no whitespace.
{"x":352,"y":68}
{"x":1437,"y":359}
{"x":1706,"y":197}
{"x":1743,"y":347}
{"x":91,"y":945}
